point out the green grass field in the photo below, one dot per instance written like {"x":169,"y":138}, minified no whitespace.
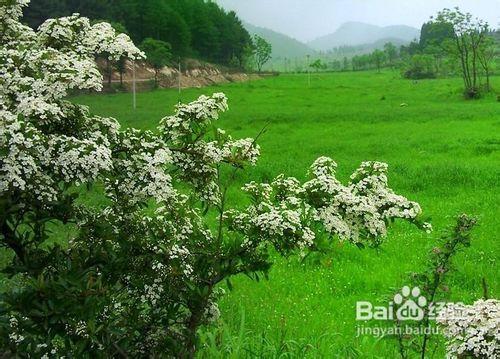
{"x":443,"y":152}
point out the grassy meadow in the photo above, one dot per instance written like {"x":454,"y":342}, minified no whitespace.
{"x":442,"y":151}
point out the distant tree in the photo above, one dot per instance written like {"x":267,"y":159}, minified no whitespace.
{"x":205,"y":37}
{"x":438,"y":53}
{"x":469,"y":38}
{"x":335,"y":65}
{"x":239,"y":40}
{"x":263,"y":50}
{"x":164,"y":23}
{"x":318,"y":65}
{"x":406,"y":51}
{"x":391,"y":53}
{"x":378,"y":57}
{"x":249,"y":57}
{"x":345,"y":64}
{"x":435,"y":33}
{"x":362,"y":62}
{"x":158,"y":54}
{"x":419,"y":67}
{"x":488,"y":51}
{"x":195,"y":28}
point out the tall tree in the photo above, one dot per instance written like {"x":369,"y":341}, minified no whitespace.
{"x":196,"y":28}
{"x":391,"y":53}
{"x":263,"y":50}
{"x":318,"y":65}
{"x":468,"y":38}
{"x":438,"y":53}
{"x":409,"y":50}
{"x":205,"y":39}
{"x":158,"y":54}
{"x":378,"y":57}
{"x":163,"y":23}
{"x":345,"y":64}
{"x":435,"y":33}
{"x":488,"y":51}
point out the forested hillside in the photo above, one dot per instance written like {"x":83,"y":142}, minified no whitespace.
{"x":194,"y":28}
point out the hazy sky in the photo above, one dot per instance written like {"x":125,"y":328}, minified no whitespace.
{"x":308,"y":19}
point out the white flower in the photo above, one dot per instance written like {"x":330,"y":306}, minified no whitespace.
{"x":472,"y":330}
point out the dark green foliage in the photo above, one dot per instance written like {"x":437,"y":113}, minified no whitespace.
{"x":234,"y":39}
{"x":192,"y":27}
{"x":411,"y":49}
{"x":158,"y":54}
{"x":435,"y":33}
{"x":420,"y":67}
{"x":40,"y":10}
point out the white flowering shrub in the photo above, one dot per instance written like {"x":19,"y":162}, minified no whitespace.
{"x":141,"y":270}
{"x":473,"y":331}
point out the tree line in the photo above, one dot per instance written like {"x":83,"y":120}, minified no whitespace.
{"x":192,"y":28}
{"x":452,"y":43}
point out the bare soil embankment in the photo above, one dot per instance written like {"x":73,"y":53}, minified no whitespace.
{"x":193,"y":74}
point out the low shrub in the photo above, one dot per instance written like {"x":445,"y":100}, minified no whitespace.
{"x":420,"y":67}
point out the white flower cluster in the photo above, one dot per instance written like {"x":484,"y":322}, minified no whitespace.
{"x":48,"y":141}
{"x":34,"y":162}
{"x":159,"y":189}
{"x":190,"y":118}
{"x":277,"y":215}
{"x":14,"y":335}
{"x":363,"y":208}
{"x":45,"y":140}
{"x":472,"y":330}
{"x":140,"y":168}
{"x":212,"y":312}
{"x":185,"y":133}
{"x":12,"y":9}
{"x":75,"y":33}
{"x":288,"y":210}
{"x":39,"y":68}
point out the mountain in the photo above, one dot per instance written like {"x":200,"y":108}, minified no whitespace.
{"x":283,"y":45}
{"x":358,"y":33}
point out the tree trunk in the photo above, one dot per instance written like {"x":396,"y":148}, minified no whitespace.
{"x":487,"y":80}
{"x":110,"y":72}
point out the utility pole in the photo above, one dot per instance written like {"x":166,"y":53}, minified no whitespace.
{"x":308,"y":71}
{"x":179,"y":80}
{"x":134,"y":98}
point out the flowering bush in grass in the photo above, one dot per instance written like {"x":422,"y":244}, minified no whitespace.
{"x":472,"y":330}
{"x":141,"y":270}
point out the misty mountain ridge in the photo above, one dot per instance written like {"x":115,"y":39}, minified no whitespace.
{"x":352,"y":38}
{"x":358,"y":33}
